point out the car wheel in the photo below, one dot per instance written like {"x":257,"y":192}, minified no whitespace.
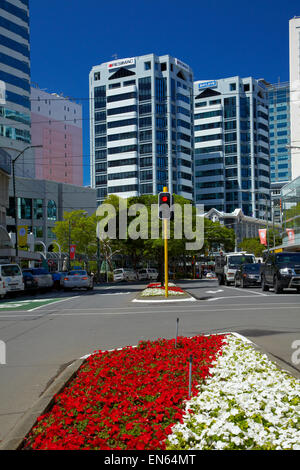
{"x":298,"y":290}
{"x":277,"y":288}
{"x":264,"y":287}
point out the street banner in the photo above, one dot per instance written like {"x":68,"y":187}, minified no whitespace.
{"x":263,"y":236}
{"x":22,"y":235}
{"x":72,"y":251}
{"x":291,"y":235}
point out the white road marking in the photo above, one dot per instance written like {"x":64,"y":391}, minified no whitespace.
{"x":214,"y":291}
{"x":243,"y":290}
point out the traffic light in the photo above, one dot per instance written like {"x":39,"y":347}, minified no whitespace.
{"x":165,"y":206}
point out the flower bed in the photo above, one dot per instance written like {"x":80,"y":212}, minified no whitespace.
{"x":126,"y":399}
{"x":157,"y":289}
{"x":248,"y":403}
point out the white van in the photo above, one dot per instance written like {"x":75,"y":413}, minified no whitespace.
{"x":126,"y":274}
{"x":148,"y":274}
{"x":12,"y":276}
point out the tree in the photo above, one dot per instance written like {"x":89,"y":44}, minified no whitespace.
{"x":252,"y":245}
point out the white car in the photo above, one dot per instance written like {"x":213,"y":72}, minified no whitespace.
{"x":3,"y":289}
{"x":210,"y":275}
{"x":77,"y":279}
{"x":124,"y":274}
{"x":11,"y":276}
{"x":148,"y":274}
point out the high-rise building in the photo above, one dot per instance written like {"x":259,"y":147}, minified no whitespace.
{"x":280,"y":135}
{"x":15,"y":83}
{"x":141,"y":126}
{"x":56,"y":124}
{"x":294,"y":38}
{"x":231,"y":134}
{"x":279,"y":125}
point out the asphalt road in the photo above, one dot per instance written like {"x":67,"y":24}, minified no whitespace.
{"x":41,"y":339}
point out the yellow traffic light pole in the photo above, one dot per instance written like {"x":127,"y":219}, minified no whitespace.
{"x":166,"y":250}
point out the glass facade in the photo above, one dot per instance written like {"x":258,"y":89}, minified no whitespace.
{"x":15,"y":72}
{"x":279,"y":116}
{"x":232,"y":146}
{"x":146,"y":133}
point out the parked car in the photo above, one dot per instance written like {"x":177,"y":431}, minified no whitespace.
{"x":42,"y":276}
{"x":148,"y":274}
{"x":77,"y":280}
{"x":11,"y":275}
{"x":210,"y":275}
{"x":248,"y":275}
{"x":281,"y":271}
{"x":3,"y":289}
{"x":124,"y":274}
{"x":30,"y":283}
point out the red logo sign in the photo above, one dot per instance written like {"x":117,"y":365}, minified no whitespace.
{"x":291,"y":235}
{"x":263,"y":236}
{"x":72,"y":251}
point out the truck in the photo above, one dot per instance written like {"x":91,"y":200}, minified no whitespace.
{"x":281,"y":271}
{"x":226,"y":265}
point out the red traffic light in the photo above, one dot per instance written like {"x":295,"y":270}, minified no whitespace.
{"x":165,"y":203}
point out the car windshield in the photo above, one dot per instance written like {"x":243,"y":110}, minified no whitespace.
{"x":240,"y":259}
{"x":118,"y":271}
{"x":252,"y":268}
{"x":288,"y":258}
{"x":10,"y":270}
{"x":77,"y":273}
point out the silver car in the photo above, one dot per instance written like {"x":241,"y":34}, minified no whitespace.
{"x":77,"y":279}
{"x":41,"y":276}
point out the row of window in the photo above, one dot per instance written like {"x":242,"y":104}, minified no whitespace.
{"x":28,"y":208}
{"x":14,"y":28}
{"x":15,"y":134}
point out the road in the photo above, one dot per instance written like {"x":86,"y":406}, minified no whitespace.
{"x":46,"y":333}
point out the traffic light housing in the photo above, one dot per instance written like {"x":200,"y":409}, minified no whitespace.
{"x":165,"y":206}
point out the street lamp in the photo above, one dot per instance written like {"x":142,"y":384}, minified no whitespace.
{"x":14,"y":193}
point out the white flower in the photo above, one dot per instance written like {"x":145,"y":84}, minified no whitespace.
{"x":247,"y":397}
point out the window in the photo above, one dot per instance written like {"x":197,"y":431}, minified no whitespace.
{"x":163,"y":66}
{"x":232,"y":86}
{"x":123,"y":109}
{"x":38,"y":209}
{"x":51,"y":210}
{"x":147,"y":65}
{"x":97,"y":76}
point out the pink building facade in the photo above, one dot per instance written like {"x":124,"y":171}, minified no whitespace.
{"x":56,"y":123}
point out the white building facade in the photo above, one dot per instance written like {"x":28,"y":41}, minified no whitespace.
{"x":141,"y":126}
{"x":231,"y":154}
{"x":294,"y":38}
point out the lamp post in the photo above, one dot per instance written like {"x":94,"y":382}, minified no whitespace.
{"x":14,"y":192}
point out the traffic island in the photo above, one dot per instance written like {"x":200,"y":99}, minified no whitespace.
{"x":156,"y":293}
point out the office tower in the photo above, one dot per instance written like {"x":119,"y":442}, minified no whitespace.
{"x":141,"y":126}
{"x":56,"y":123}
{"x":280,"y":152}
{"x":231,"y":134}
{"x":279,"y":125}
{"x":294,"y":37}
{"x":15,"y":83}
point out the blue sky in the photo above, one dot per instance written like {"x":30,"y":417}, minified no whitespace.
{"x":217,"y":39}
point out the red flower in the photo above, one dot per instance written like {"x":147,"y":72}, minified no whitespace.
{"x":126,"y":399}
